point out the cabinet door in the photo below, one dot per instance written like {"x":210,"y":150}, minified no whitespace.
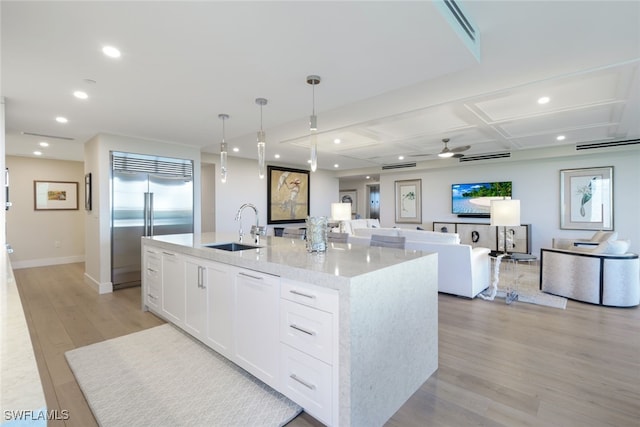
{"x":219,"y":283}
{"x":256,"y":324}
{"x":152,"y":280}
{"x":195,"y":318}
{"x":173,"y":297}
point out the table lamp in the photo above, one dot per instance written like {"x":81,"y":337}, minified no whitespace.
{"x":505,"y":213}
{"x":341,"y":212}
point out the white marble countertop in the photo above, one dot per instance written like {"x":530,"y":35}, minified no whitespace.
{"x":21,"y":395}
{"x":286,"y":257}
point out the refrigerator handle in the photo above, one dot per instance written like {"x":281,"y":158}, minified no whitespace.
{"x":151,"y":214}
{"x":145,"y":228}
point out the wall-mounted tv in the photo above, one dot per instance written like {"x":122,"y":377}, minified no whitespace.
{"x":474,"y":200}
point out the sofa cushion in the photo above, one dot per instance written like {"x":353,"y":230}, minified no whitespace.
{"x":603,"y":236}
{"x":430,"y":236}
{"x":609,"y":247}
{"x":367,"y":232}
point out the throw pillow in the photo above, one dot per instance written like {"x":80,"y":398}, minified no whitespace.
{"x":618,"y":247}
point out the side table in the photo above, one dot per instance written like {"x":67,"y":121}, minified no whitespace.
{"x":511,"y":293}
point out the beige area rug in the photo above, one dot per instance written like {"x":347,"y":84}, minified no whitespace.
{"x":524,"y":279}
{"x":163,"y":377}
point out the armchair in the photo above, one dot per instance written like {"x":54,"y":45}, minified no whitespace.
{"x":596,"y":278}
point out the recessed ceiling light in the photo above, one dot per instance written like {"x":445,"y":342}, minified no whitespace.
{"x":309,"y":161}
{"x":560,"y":137}
{"x":111,"y":52}
{"x":337,"y":141}
{"x":336,"y":165}
{"x":43,"y":144}
{"x":236,"y":149}
{"x":367,"y":177}
{"x":38,"y":153}
{"x":277,"y":156}
{"x":80,"y":94}
{"x":400,"y":157}
{"x":543,"y":100}
{"x":61,"y":119}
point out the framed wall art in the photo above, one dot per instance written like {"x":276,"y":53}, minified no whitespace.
{"x":586,"y":198}
{"x":55,"y":195}
{"x":287,"y":195}
{"x":350,"y":196}
{"x":409,"y":201}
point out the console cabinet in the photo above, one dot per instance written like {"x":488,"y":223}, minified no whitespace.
{"x":488,"y":236}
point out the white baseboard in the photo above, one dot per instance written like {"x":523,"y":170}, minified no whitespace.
{"x":101,"y":288}
{"x":42,"y":262}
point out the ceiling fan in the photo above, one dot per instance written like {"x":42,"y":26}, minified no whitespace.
{"x":452,"y":152}
{"x":448,"y":152}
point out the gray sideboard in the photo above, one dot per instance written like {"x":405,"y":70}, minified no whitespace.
{"x":488,"y":236}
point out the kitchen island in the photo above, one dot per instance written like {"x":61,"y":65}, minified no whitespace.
{"x":349,"y":334}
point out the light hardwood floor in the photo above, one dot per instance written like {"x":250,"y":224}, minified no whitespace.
{"x":499,"y":365}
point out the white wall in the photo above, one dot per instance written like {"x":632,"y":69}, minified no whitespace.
{"x":43,"y":237}
{"x":536,"y":182}
{"x":98,"y":221}
{"x":244,"y":186}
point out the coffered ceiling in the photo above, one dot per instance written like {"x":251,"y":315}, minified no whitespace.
{"x":397,"y":77}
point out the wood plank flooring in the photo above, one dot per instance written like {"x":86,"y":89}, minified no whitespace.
{"x":499,"y":365}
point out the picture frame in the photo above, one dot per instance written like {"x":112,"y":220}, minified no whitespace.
{"x":408,"y":194}
{"x":87,"y":191}
{"x":350,"y":196}
{"x":55,"y":195}
{"x":288,"y":195}
{"x":586,"y":198}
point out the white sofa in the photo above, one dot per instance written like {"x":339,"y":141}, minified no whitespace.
{"x":462,"y":270}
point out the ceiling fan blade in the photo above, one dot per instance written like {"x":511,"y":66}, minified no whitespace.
{"x":457,"y":155}
{"x":461,"y":148}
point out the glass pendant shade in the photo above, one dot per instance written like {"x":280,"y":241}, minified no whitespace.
{"x":313,"y":141}
{"x":223,"y":151}
{"x":261,"y":153}
{"x":262,"y":141}
{"x":313,"y":125}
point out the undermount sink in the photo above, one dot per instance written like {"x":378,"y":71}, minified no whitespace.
{"x":232,"y":247}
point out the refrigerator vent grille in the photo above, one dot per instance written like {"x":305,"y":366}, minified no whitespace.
{"x":158,"y":165}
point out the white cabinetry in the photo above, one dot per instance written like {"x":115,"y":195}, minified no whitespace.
{"x":152,"y":279}
{"x":309,"y":348}
{"x":220,"y":307}
{"x":256,"y":324}
{"x":173,"y":287}
{"x":195,"y":319}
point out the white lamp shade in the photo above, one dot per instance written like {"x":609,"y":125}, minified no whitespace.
{"x":505,"y":212}
{"x":341,"y":211}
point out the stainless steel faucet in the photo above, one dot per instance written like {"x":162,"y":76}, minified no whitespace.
{"x":256,"y":230}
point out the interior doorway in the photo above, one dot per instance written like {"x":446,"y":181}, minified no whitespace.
{"x":373,"y":196}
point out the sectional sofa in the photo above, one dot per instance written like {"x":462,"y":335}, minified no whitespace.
{"x":462,"y":270}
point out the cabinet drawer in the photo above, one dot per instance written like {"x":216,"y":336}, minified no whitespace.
{"x":312,"y":296}
{"x":306,"y":381}
{"x":307,"y":329}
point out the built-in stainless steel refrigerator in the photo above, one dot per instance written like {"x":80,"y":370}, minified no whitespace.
{"x":150,"y":196}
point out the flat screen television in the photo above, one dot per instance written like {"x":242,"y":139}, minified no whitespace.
{"x":474,"y":199}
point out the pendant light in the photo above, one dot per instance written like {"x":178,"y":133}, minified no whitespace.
{"x":262,"y":143}
{"x":313,"y":123}
{"x":223,"y":151}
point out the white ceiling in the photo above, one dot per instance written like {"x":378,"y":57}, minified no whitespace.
{"x":396,"y":77}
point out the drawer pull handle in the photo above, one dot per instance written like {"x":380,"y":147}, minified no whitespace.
{"x":304,"y":383}
{"x":251,"y":276}
{"x":293,"y":291}
{"x":153,"y":297}
{"x":152,"y":270}
{"x":168,"y":253}
{"x":303,"y":330}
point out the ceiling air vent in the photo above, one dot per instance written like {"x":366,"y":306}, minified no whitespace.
{"x":489,"y":156}
{"x":42,"y":135}
{"x":399,"y":166}
{"x":461,"y":23}
{"x":592,"y":145}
